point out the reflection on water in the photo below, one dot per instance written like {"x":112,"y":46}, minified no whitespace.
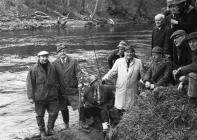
{"x":18,"y":52}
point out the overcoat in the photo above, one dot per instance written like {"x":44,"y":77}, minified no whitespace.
{"x":42,"y":86}
{"x":127,"y":81}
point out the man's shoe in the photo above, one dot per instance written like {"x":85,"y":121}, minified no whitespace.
{"x":42,"y":134}
{"x":50,"y":132}
{"x":66,"y":125}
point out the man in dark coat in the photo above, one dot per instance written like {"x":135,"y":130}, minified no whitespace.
{"x":161,"y":35}
{"x":183,"y":18}
{"x":160,"y":72}
{"x":190,"y":70}
{"x":42,"y":89}
{"x":118,"y":53}
{"x":181,"y":50}
{"x":98,"y":99}
{"x":69,"y":75}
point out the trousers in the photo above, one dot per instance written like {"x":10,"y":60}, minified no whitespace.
{"x":52,"y":108}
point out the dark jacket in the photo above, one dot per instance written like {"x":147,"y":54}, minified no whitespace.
{"x":189,"y":68}
{"x":113,"y":57}
{"x":182,"y":56}
{"x":106,"y":97}
{"x":67,"y":76}
{"x":186,"y":21}
{"x":161,"y":38}
{"x":42,"y":86}
{"x":159,"y":73}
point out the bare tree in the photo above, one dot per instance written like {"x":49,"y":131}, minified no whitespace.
{"x":95,"y":9}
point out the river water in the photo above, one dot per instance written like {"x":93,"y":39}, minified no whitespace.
{"x":18,"y":52}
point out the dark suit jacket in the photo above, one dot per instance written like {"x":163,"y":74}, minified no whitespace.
{"x":161,"y":38}
{"x":106,"y":95}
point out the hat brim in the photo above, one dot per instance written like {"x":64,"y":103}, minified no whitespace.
{"x":190,"y":38}
{"x":93,"y":81}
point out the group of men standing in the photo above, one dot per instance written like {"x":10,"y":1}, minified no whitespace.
{"x":54,"y":86}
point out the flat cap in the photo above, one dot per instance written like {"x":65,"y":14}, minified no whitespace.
{"x":43,"y":53}
{"x":177,"y":33}
{"x":93,"y":79}
{"x":61,"y":47}
{"x":192,"y":36}
{"x":122,"y":44}
{"x":157,"y":49}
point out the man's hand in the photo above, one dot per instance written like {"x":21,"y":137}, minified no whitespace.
{"x":152,"y":86}
{"x":180,"y":87}
{"x":147,"y":84}
{"x":103,"y":81}
{"x":31,"y":101}
{"x":174,"y":22}
{"x":177,"y":73}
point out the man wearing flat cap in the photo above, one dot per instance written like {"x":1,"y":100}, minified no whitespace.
{"x":160,"y":71}
{"x":98,"y":100}
{"x":190,"y":71}
{"x":69,"y":76}
{"x":42,"y":90}
{"x":117,"y":53}
{"x":183,"y":16}
{"x":129,"y":70}
{"x":181,"y":50}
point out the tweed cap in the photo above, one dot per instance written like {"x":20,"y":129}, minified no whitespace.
{"x":41,"y":53}
{"x":61,"y":47}
{"x":93,"y":79}
{"x":192,"y":36}
{"x":157,"y":49}
{"x":122,"y":44}
{"x":177,"y":34}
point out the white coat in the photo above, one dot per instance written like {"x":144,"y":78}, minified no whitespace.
{"x":127,"y":81}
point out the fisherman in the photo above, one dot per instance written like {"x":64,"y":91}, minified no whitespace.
{"x":42,"y":90}
{"x":181,"y":50}
{"x":183,"y":16}
{"x":160,"y":72}
{"x":70,"y":76}
{"x":161,"y":35}
{"x":118,"y":53}
{"x":128,"y":70}
{"x":98,"y":99}
{"x":190,"y":71}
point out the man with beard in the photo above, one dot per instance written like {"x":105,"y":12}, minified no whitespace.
{"x":42,"y":89}
{"x":69,"y":76}
{"x":160,"y":71}
{"x":181,"y":50}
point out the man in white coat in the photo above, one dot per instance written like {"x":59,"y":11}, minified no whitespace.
{"x":129,"y":70}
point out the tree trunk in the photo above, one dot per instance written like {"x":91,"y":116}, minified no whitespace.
{"x":95,"y":9}
{"x":68,"y":4}
{"x":83,"y":4}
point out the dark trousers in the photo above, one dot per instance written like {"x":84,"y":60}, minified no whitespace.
{"x":65,"y":115}
{"x":95,"y":111}
{"x":52,"y":109}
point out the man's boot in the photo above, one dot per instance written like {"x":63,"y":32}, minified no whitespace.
{"x":50,"y":132}
{"x":42,"y":134}
{"x":65,"y":116}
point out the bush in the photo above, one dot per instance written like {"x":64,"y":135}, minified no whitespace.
{"x":163,"y":114}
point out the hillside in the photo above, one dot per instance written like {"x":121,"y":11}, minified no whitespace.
{"x":20,"y":14}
